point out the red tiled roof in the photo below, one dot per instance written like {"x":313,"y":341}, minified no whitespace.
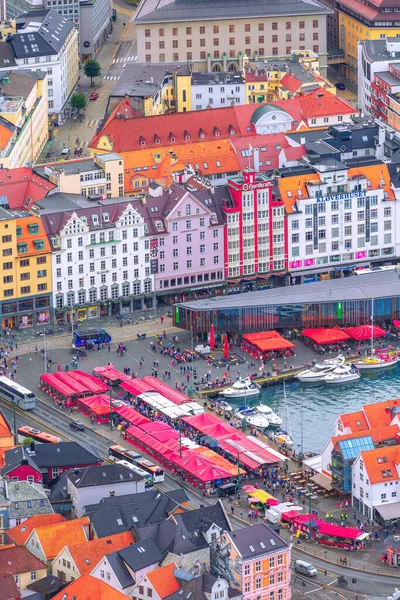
{"x":5,"y":430}
{"x":291,"y":83}
{"x":362,"y":9}
{"x":54,"y":537}
{"x":89,"y":588}
{"x":269,"y":147}
{"x":17,"y":559}
{"x":86,"y":555}
{"x":322,"y":103}
{"x":8,"y":588}
{"x":379,"y":434}
{"x":20,"y":533}
{"x":378,"y":414}
{"x":164,"y":581}
{"x":355,"y":420}
{"x":19,"y":185}
{"x":294,"y":153}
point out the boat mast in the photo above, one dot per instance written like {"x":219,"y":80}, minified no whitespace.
{"x":372,"y":327}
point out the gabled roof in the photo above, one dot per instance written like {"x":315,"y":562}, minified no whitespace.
{"x":321,"y":103}
{"x":201,"y":519}
{"x":102,"y":475}
{"x":136,"y":556}
{"x":46,"y":33}
{"x":8,"y":588}
{"x":379,"y":414}
{"x":53,"y":538}
{"x":381,"y":464}
{"x":64,"y":454}
{"x":355,"y":420}
{"x":20,"y":533}
{"x":89,"y":588}
{"x":199,"y":588}
{"x":291,"y":83}
{"x":163,"y":580}
{"x":17,"y":559}
{"x":27,"y":499}
{"x":257,"y":540}
{"x":86,"y":555}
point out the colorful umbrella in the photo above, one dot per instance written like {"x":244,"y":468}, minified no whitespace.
{"x":212,"y":337}
{"x":365,"y":332}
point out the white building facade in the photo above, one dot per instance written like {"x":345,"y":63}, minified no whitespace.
{"x":340,"y":219}
{"x":101,"y":261}
{"x":377,"y":485}
{"x":216,"y":90}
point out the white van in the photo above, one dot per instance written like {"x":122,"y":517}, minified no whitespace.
{"x":305,"y":568}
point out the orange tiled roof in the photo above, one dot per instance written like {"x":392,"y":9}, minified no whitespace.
{"x":379,"y":434}
{"x":5,"y":430}
{"x":355,"y":420}
{"x":322,"y":103}
{"x":54,"y":537}
{"x":380,"y":464}
{"x":30,"y":238}
{"x":291,"y":83}
{"x":164,"y":581}
{"x":86,"y":555}
{"x":289,"y":186}
{"x":89,"y":588}
{"x":20,"y":533}
{"x":377,"y":415}
{"x":6,"y":134}
{"x":375,"y":174}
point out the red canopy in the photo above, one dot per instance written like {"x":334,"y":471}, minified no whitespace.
{"x":365,"y":332}
{"x":110,"y":373}
{"x":396,"y":323}
{"x":131,"y":415}
{"x":274,"y":344}
{"x":290,"y":515}
{"x":137,"y":387}
{"x":261,"y":335}
{"x":326,"y":336}
{"x":165,"y":390}
{"x":95,"y":402}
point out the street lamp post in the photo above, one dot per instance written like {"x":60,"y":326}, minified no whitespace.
{"x":111,"y":423}
{"x":238,"y":475}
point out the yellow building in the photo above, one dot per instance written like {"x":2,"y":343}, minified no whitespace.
{"x":362,"y":23}
{"x":24,"y":122}
{"x":26,"y":290}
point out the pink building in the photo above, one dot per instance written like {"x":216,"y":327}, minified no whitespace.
{"x":255,"y":560}
{"x":186,"y":229}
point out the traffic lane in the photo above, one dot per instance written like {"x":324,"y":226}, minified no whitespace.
{"x":366,"y":583}
{"x":50,"y":419}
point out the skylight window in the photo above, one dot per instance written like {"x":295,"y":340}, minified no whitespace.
{"x":252,"y":548}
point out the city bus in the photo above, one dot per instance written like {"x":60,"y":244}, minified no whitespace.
{"x":95,"y":336}
{"x":16,"y":394}
{"x":119,"y":453}
{"x":148,"y":479}
{"x":39,"y":436}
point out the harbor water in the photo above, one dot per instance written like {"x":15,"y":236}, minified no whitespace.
{"x":321,"y":404}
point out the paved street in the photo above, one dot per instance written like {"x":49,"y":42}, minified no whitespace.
{"x":119,"y":50}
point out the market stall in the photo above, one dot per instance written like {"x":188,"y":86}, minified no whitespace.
{"x":262,"y":345}
{"x":365,"y":332}
{"x":166,"y":390}
{"x":110,"y":375}
{"x":326,"y":336}
{"x":329,"y":534}
{"x":96,"y":408}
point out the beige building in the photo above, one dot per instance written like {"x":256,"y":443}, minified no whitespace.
{"x":101,"y":175}
{"x":24,"y":117}
{"x":218,"y":37}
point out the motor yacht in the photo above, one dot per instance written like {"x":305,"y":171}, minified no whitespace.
{"x":241,"y":389}
{"x":318,"y":371}
{"x":343,"y":374}
{"x":376,"y":363}
{"x":260,"y":416}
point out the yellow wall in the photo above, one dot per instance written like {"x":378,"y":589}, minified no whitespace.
{"x":351,"y":32}
{"x":24,"y":579}
{"x":183,"y":93}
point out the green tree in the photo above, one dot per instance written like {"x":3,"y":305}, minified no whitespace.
{"x":92,"y":69}
{"x":78,"y":101}
{"x":27,"y":441}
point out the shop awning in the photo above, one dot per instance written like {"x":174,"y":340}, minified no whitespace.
{"x":389,"y":510}
{"x":365,"y":332}
{"x":166,"y":390}
{"x":323,"y":481}
{"x":136,"y":387}
{"x":326,"y":336}
{"x":261,"y":335}
{"x":274,"y":344}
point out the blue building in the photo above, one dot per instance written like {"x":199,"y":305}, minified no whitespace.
{"x":344,"y":454}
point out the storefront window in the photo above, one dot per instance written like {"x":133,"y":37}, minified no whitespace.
{"x":43,"y":317}
{"x":25,"y":304}
{"x":25,"y":320}
{"x":42,"y":302}
{"x":9,"y":307}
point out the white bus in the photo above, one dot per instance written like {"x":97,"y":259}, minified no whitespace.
{"x":17,"y":394}
{"x":148,"y":479}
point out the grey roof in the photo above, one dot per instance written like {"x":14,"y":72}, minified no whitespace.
{"x":202,"y":519}
{"x":120,"y":570}
{"x":384,"y":284}
{"x":121,"y":513}
{"x":69,"y":167}
{"x":142,"y":79}
{"x":151,"y":11}
{"x":256,"y":540}
{"x":7,"y":58}
{"x":198,"y":588}
{"x":388,"y":78}
{"x":140,"y":555}
{"x":375,"y":51}
{"x":62,"y":454}
{"x":220,"y":78}
{"x":14,"y":457}
{"x":171,"y":537}
{"x":40,"y":33}
{"x":26,"y":499}
{"x":59,"y":489}
{"x":102,"y":475}
{"x":48,"y":585}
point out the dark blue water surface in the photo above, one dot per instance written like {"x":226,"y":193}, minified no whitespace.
{"x":322,"y":404}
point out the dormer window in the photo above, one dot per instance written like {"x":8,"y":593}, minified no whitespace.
{"x":84,"y":219}
{"x":217,"y":132}
{"x":157,"y":139}
{"x":106,"y":217}
{"x":142,"y":141}
{"x":231,"y":130}
{"x":186,"y":135}
{"x":201,"y":134}
{"x":95,"y":219}
{"x":172,"y":137}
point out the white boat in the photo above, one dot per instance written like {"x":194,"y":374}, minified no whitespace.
{"x":260,"y":416}
{"x":283,"y":437}
{"x":343,"y":374}
{"x":318,"y":372}
{"x":241,"y":388}
{"x":376,"y":363}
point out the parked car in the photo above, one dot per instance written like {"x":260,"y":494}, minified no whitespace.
{"x":340,"y":86}
{"x":94,"y":95}
{"x":202,"y":349}
{"x":77,"y":426}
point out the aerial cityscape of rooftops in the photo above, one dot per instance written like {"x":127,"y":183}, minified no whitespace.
{"x":200,"y":299}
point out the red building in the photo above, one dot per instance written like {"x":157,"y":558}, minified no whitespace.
{"x":41,"y":463}
{"x":255,"y":236}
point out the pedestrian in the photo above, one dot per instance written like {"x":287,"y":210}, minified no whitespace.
{"x":232,"y":509}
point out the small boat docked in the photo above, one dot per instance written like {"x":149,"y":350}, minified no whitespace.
{"x":260,"y":416}
{"x":376,"y":362}
{"x":281,"y":436}
{"x":342,"y":374}
{"x":318,"y":371}
{"x":241,"y":389}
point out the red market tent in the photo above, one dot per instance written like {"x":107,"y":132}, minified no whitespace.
{"x":274,"y":344}
{"x":110,"y":374}
{"x":137,"y":387}
{"x":290,"y":515}
{"x":396,"y":323}
{"x":166,"y":390}
{"x":326,"y":336}
{"x":95,"y":401}
{"x":90,"y":383}
{"x":261,"y":335}
{"x":365,"y":332}
{"x":97,"y":407}
{"x":132,"y":416}
{"x":200,"y":422}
